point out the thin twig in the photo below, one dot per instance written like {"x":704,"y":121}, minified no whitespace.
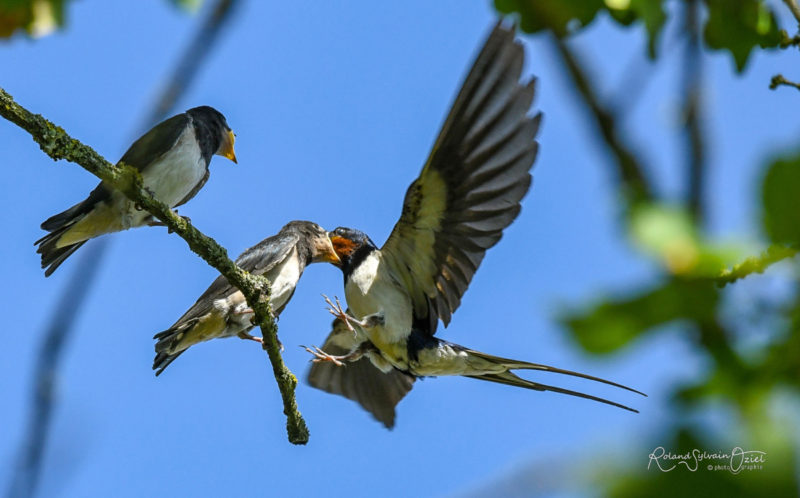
{"x":189,"y":63}
{"x":56,"y":143}
{"x":779,"y":80}
{"x":634,"y":183}
{"x":695,"y":146}
{"x":756,"y":264}
{"x":795,"y":8}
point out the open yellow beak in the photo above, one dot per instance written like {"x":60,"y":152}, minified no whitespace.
{"x":325,"y":252}
{"x":226,"y":149}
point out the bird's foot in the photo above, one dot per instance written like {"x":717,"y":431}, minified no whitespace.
{"x":159,"y":223}
{"x":337,"y":311}
{"x":248,"y":337}
{"x":320,"y":356}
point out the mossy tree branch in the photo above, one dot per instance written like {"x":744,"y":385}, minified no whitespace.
{"x":57,"y":144}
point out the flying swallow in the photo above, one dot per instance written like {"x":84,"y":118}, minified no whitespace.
{"x":173,"y":158}
{"x":222,"y":310}
{"x":468,"y":192}
{"x":376,"y":390}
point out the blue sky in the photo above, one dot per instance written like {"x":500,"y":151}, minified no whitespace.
{"x":335,"y":105}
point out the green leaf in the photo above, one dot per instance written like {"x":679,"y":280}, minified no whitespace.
{"x":560,"y":16}
{"x":36,"y":17}
{"x":564,"y":17}
{"x":610,"y":325}
{"x":781,"y":200}
{"x":668,"y":234}
{"x":739,"y":26}
{"x":651,"y":12}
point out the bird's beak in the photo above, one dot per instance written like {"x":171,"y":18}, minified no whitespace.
{"x":324,"y":252}
{"x":226,"y":147}
{"x":342,"y":246}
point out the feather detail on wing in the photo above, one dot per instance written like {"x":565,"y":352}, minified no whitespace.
{"x":470,"y":188}
{"x":360,"y":381}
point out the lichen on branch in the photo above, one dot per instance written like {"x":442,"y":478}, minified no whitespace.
{"x":58,"y":144}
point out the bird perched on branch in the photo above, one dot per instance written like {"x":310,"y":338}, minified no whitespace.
{"x":173,"y":158}
{"x":222,"y":310}
{"x":468,"y":192}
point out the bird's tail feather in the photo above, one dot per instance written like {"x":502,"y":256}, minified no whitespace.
{"x":53,"y":256}
{"x":510,"y":379}
{"x":524,"y":365}
{"x":163,"y":360}
{"x":166,"y":345}
{"x":64,"y":218}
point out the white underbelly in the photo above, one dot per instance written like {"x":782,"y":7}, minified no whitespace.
{"x":177,"y":172}
{"x":370,"y":291}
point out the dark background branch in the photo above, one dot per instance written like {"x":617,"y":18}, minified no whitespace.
{"x":25,"y":480}
{"x":634,"y":182}
{"x":693,"y":128}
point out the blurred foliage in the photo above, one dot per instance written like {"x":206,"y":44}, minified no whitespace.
{"x":668,"y":234}
{"x":781,"y":200}
{"x":612,"y":324}
{"x":775,"y":478}
{"x":739,"y":27}
{"x":36,"y":17}
{"x":736,"y":26}
{"x":41,"y":17}
{"x":687,"y":291}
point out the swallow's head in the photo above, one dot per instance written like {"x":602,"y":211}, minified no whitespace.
{"x":317,"y":240}
{"x":221,"y":132}
{"x":351,"y":246}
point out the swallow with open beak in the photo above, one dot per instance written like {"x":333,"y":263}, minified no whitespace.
{"x":222,"y":310}
{"x":173,"y":158}
{"x":468,"y":192}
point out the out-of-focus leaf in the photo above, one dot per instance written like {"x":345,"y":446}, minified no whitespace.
{"x":567,"y":16}
{"x":560,"y":16}
{"x":36,"y":17}
{"x":668,"y":234}
{"x":781,"y":200}
{"x":612,"y":324}
{"x":190,"y":5}
{"x":651,"y":12}
{"x":739,"y":26}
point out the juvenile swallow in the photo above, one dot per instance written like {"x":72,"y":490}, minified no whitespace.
{"x":173,"y":158}
{"x":468,"y":192}
{"x":222,"y":310}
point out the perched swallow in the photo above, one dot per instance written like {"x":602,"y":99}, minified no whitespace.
{"x":222,"y":310}
{"x":173,"y":159}
{"x":468,"y":192}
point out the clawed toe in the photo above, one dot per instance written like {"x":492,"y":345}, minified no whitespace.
{"x":337,"y":311}
{"x":320,"y":356}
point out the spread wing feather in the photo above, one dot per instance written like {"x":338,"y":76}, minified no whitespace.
{"x":360,"y":381}
{"x":470,"y":188}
